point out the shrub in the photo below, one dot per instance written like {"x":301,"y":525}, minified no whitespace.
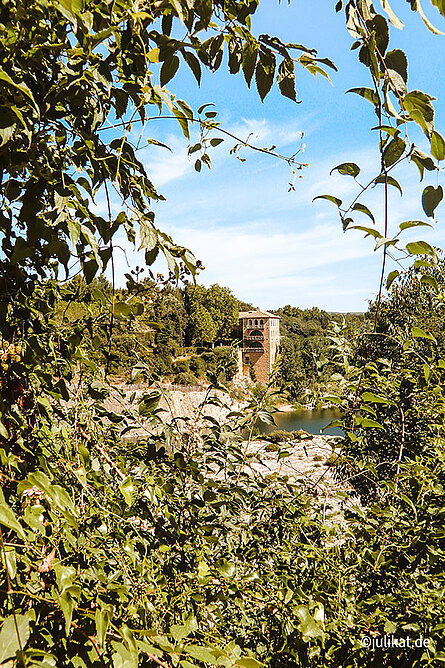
{"x":186,"y":378}
{"x":181,"y":366}
{"x":278,"y":436}
{"x":198,"y":366}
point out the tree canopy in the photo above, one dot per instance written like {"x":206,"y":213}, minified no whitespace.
{"x":173,"y":550}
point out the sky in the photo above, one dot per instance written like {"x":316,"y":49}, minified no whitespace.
{"x":273,"y":247}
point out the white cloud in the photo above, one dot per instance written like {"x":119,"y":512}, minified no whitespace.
{"x":163,"y":165}
{"x":270,"y":268}
{"x":269,"y":246}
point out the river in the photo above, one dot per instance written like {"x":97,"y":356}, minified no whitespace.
{"x":311,"y":421}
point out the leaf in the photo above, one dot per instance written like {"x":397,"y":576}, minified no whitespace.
{"x":3,"y":431}
{"x":394,"y":132}
{"x":367,"y":93}
{"x":431,"y":198}
{"x":427,"y":371}
{"x":420,"y":248}
{"x":423,"y":161}
{"x":153,"y":55}
{"x":248,"y":662}
{"x":363,"y":209}
{"x":391,"y":277}
{"x":225,"y":568}
{"x":347,"y":169}
{"x":148,"y":403}
{"x":235,"y":54}
{"x":380,"y":26}
{"x":308,"y":625}
{"x":396,"y":60}
{"x":194,"y":64}
{"x":420,"y":109}
{"x":201,"y":653}
{"x":250,"y":53}
{"x":430,"y":280}
{"x":180,"y":631}
{"x":440,"y":4}
{"x":123,"y":657}
{"x":186,"y":108}
{"x":437,"y":146}
{"x":11,"y":562}
{"x":148,"y":234}
{"x":20,"y":87}
{"x":370,"y":231}
{"x":264,"y":73}
{"x":286,"y":79}
{"x":150,"y":256}
{"x":9,"y":639}
{"x":102,"y":618}
{"x":393,"y":151}
{"x":391,"y":181}
{"x":7,"y":126}
{"x":396,"y":22}
{"x":418,"y":333}
{"x":169,"y":69}
{"x":183,"y":122}
{"x":127,"y":488}
{"x":375,"y":398}
{"x":413,"y":223}
{"x":47,"y":562}
{"x":331,"y":198}
{"x":66,"y":603}
{"x":417,"y":6}
{"x":8,"y":518}
{"x":367,"y":422}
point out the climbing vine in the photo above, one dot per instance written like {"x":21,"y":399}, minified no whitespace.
{"x":172,"y":550}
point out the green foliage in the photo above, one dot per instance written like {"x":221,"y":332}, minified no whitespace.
{"x":306,"y":363}
{"x":280,"y":436}
{"x":172,"y":550}
{"x":392,"y":399}
{"x":213,"y":313}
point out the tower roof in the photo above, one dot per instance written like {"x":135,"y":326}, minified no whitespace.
{"x":257,"y":314}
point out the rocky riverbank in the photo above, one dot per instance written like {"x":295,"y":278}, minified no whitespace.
{"x":308,"y":463}
{"x":305,"y":460}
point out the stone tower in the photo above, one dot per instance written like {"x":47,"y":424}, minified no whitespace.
{"x":260,"y":332}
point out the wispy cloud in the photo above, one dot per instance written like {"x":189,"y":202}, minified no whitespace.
{"x":270,"y":246}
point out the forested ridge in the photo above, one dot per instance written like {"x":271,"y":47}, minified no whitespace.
{"x":174,"y":550}
{"x":183,"y":333}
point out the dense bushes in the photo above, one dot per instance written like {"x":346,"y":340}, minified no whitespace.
{"x":189,"y":370}
{"x":171,"y":551}
{"x":141,"y":553}
{"x":306,"y":362}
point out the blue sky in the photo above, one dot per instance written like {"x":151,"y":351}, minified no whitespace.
{"x":270,"y":246}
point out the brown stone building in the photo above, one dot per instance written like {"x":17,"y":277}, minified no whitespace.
{"x":260,"y":332}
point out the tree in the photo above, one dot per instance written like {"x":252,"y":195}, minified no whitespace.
{"x":400,"y":364}
{"x":202,"y":326}
{"x":122,"y":555}
{"x":213,"y":313}
{"x":223,"y":308}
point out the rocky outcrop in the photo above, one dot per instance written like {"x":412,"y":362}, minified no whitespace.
{"x":174,"y":403}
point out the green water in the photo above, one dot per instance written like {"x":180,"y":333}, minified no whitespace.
{"x":311,"y":421}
